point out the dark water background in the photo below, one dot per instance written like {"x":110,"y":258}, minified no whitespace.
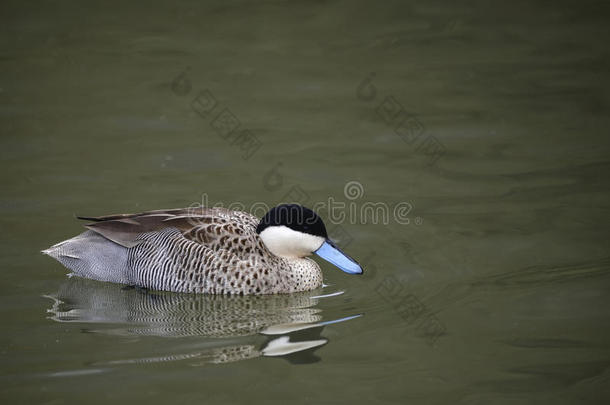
{"x":488,"y":121}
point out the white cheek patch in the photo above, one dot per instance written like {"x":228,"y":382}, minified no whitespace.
{"x":286,"y":242}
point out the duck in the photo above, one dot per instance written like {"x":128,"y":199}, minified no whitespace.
{"x":209,"y":250}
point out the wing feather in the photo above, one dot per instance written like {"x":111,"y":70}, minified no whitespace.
{"x":217,"y":228}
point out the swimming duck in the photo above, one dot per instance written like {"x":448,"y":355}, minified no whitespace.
{"x":205,"y":250}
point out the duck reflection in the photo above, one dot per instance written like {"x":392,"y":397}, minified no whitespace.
{"x":289,"y":325}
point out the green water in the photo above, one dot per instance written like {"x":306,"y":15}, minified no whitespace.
{"x":487,"y":124}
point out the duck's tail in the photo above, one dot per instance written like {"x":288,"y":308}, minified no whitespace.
{"x":90,"y":255}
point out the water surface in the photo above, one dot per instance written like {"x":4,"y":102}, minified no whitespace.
{"x":487,"y":122}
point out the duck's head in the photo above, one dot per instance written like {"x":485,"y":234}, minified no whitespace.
{"x":291,"y":231}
